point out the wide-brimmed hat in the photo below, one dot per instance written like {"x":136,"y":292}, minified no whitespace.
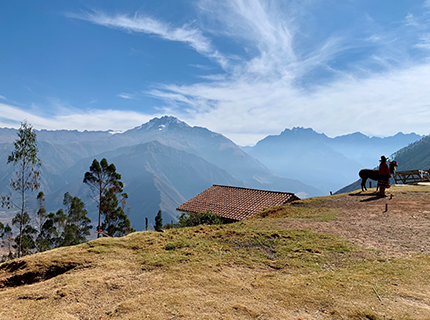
{"x":383,"y":159}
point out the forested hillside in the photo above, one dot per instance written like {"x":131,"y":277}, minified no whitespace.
{"x":414,"y":156}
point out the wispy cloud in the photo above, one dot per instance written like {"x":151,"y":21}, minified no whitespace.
{"x":127,"y":96}
{"x":410,"y":20}
{"x":202,"y":67}
{"x":424,"y":42}
{"x":262,"y":91}
{"x":145,"y":24}
{"x":215,"y":77}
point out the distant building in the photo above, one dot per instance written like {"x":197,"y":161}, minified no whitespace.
{"x":235,"y":203}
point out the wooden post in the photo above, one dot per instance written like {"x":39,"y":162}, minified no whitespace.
{"x":146,"y":224}
{"x":101,"y":232}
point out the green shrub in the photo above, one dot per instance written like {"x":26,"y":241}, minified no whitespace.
{"x":190,"y":219}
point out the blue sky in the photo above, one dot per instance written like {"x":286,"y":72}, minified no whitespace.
{"x":245,"y":69}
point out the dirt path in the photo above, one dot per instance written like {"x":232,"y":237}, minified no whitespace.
{"x":402,"y":230}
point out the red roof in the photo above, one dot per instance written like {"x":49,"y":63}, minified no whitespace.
{"x":235,"y":203}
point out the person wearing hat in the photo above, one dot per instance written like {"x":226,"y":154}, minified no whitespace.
{"x":384,"y":176}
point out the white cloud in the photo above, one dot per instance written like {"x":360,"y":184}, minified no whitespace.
{"x":215,"y":77}
{"x":202,"y":67}
{"x":260,"y":96}
{"x":410,"y":20}
{"x":73,"y":120}
{"x":260,"y":93}
{"x":127,"y":96}
{"x":375,"y":106}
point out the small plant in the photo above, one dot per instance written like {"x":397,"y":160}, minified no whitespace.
{"x":175,"y":245}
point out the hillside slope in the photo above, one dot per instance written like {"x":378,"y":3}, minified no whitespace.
{"x":414,"y":156}
{"x":255,"y":269}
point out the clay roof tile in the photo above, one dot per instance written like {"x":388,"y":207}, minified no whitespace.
{"x":235,"y":203}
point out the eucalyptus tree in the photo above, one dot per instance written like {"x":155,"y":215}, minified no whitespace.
{"x":116,"y":222}
{"x":26,"y":180}
{"x":41,"y":212}
{"x":48,"y":234}
{"x":24,"y":241}
{"x":77,"y":226}
{"x":106,"y":185}
{"x":7,"y":237}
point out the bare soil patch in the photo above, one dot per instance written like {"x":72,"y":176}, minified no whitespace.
{"x":398,"y":224}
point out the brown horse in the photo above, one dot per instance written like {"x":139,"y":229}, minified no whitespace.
{"x":373,"y":174}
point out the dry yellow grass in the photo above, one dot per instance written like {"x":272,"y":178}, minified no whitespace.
{"x":247,"y":270}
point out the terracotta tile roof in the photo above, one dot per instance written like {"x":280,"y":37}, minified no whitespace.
{"x":235,"y":203}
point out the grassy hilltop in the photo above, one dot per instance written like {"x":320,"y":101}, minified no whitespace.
{"x":256,"y":269}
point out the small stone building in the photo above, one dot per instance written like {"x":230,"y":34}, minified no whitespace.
{"x":235,"y":203}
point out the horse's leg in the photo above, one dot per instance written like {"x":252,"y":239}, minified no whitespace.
{"x":363,"y":184}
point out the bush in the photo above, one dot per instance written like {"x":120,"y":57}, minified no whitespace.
{"x":158,"y":221}
{"x":191,"y":219}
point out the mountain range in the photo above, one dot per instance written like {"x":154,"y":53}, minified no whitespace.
{"x":163,"y":163}
{"x":166,"y":162}
{"x":412,"y":157}
{"x":326,"y":163}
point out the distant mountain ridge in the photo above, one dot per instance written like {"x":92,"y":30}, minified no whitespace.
{"x":415,"y":156}
{"x":163,"y":163}
{"x":326,"y":163}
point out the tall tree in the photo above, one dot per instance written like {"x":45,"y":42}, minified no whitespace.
{"x":41,"y":212}
{"x":48,"y":235}
{"x":7,"y":237}
{"x":78,"y":225}
{"x":24,"y":242}
{"x":116,"y":222}
{"x":26,"y":179}
{"x":104,"y":182}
